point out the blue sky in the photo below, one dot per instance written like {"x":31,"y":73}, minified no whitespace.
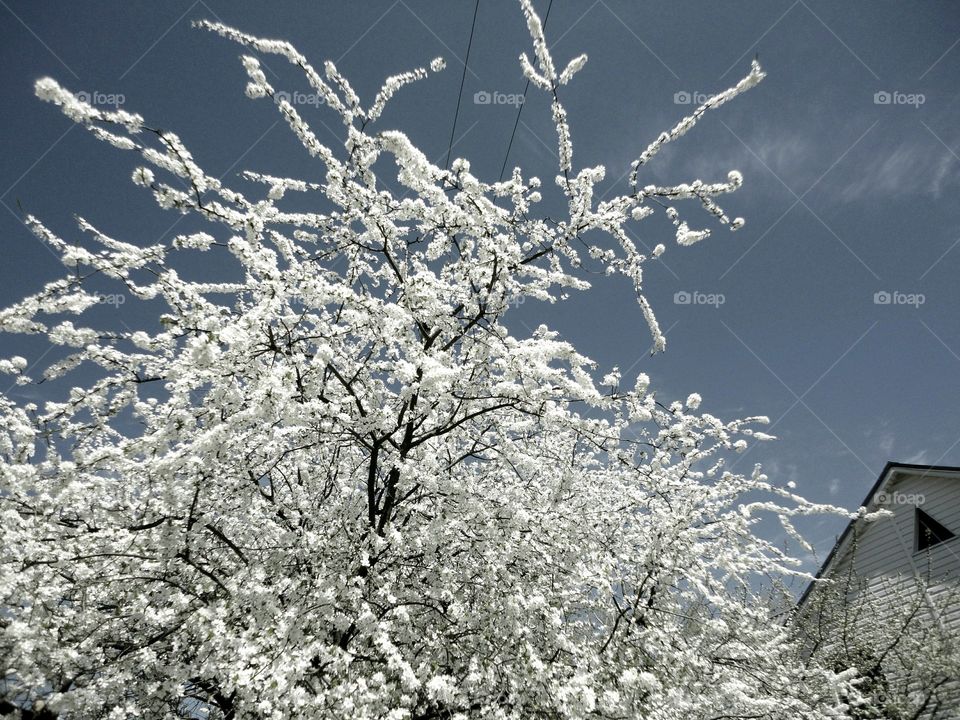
{"x":850,"y":151}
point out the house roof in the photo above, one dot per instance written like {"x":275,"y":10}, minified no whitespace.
{"x":886,"y":475}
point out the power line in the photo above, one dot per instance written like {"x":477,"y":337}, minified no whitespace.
{"x":520,"y":110}
{"x":463,"y":79}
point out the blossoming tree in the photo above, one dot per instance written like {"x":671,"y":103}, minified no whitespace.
{"x":337,"y":486}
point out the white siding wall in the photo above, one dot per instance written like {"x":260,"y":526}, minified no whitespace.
{"x":885,"y":554}
{"x":886,"y":547}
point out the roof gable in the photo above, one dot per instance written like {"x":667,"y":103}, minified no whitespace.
{"x":875,"y":500}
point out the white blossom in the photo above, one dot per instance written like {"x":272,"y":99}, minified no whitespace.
{"x":143,"y":177}
{"x":335,"y":482}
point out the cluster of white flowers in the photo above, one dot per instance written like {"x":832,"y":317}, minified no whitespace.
{"x":338,"y":486}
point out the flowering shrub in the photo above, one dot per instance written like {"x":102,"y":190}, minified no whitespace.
{"x":349,"y":490}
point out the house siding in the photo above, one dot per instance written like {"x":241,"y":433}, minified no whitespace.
{"x":882,"y":553}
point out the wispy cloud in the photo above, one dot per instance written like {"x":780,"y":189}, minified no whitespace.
{"x":914,"y":167}
{"x":897,"y":159}
{"x":834,"y":486}
{"x":887,"y":443}
{"x":782,"y":472}
{"x":918,"y":458}
{"x":787,"y":155}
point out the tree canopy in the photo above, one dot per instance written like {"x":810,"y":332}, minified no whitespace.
{"x":336,"y":485}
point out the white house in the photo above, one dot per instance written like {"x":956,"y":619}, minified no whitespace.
{"x":897,"y":579}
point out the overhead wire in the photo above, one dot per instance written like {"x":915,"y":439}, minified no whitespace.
{"x":463,"y":78}
{"x":516,"y":122}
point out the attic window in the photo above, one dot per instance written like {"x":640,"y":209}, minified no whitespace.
{"x":929,"y":531}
